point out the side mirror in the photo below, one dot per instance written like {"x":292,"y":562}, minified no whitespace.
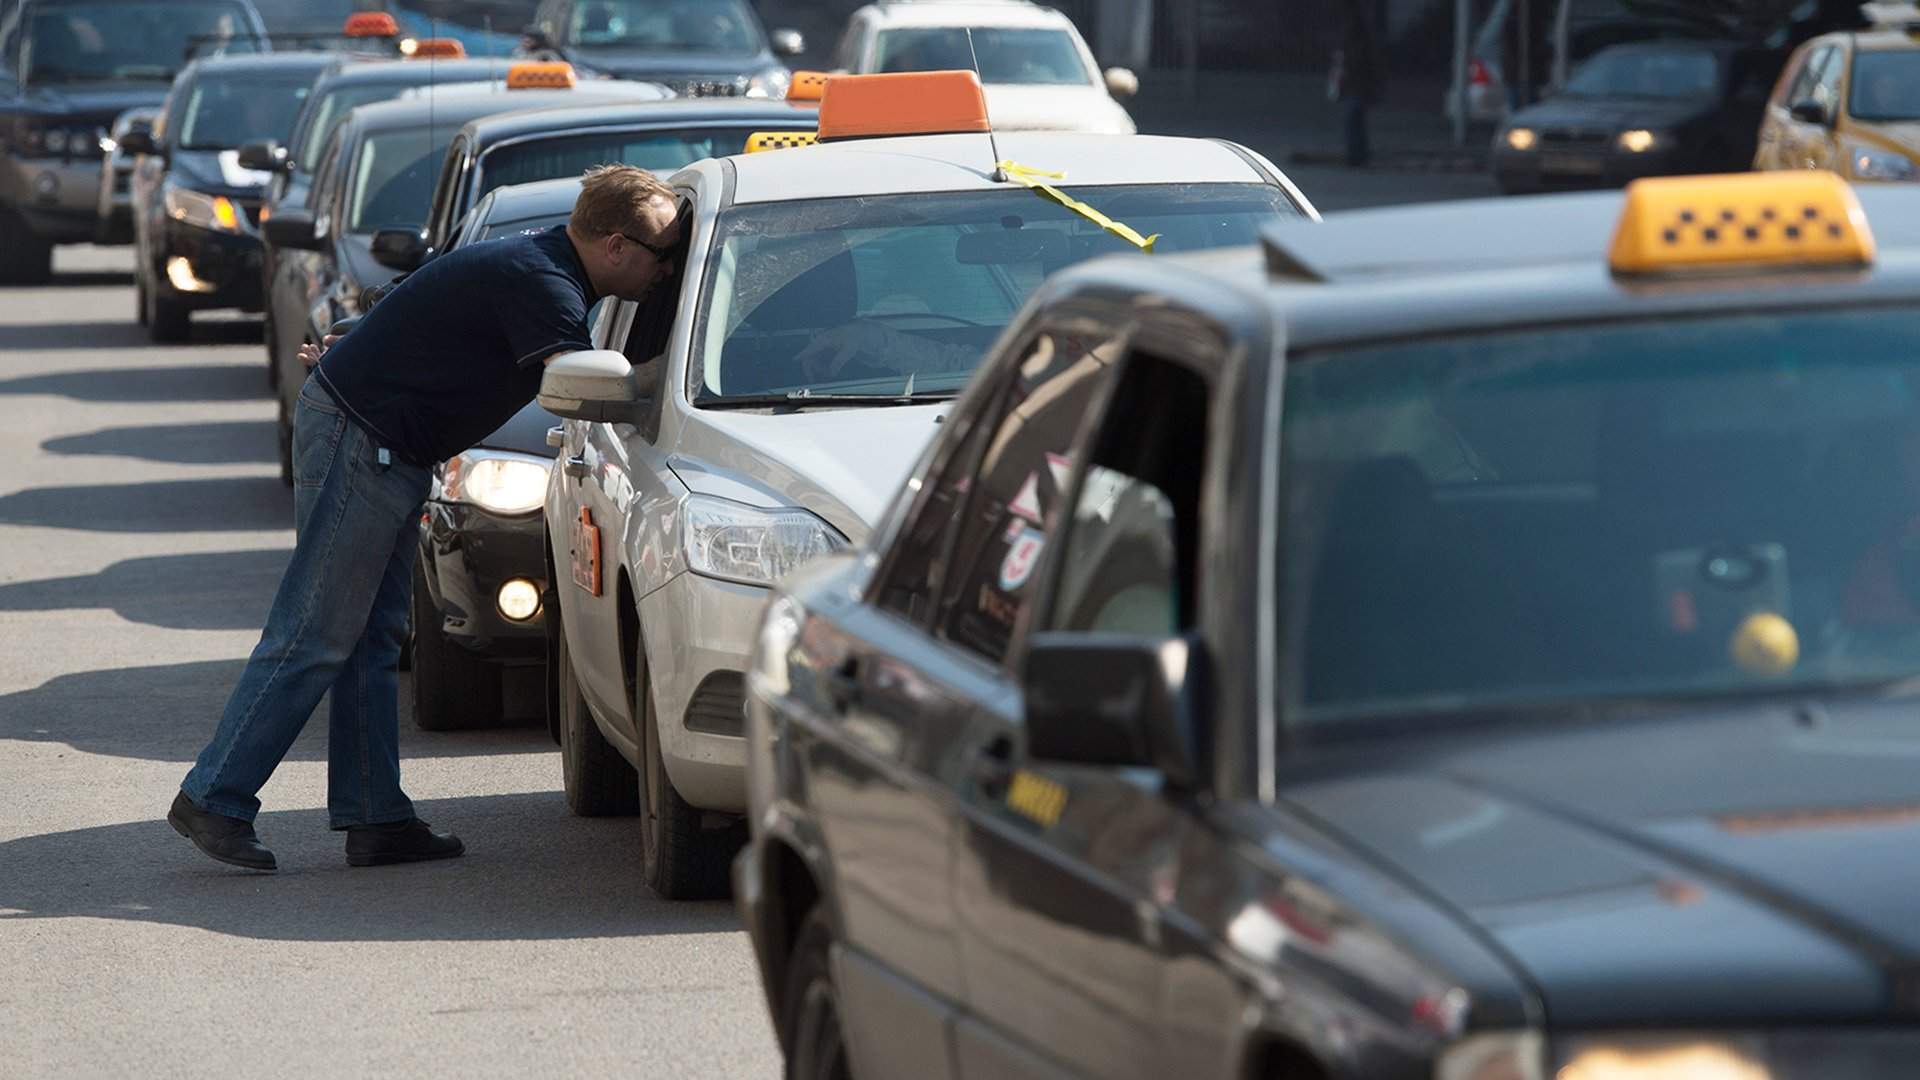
{"x":1122,"y":83}
{"x":139,"y":141}
{"x":1110,"y":699}
{"x":292,"y":229}
{"x":1809,"y":112}
{"x":267,"y":156}
{"x":597,"y":385}
{"x":787,"y":42}
{"x":402,"y":249}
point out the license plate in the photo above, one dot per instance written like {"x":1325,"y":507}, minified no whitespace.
{"x":584,"y":540}
{"x":1574,"y":164}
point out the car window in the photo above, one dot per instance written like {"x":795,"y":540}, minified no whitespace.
{"x":1029,"y":56}
{"x":1827,"y":90}
{"x":552,"y":157}
{"x":724,"y":26}
{"x":442,"y":201}
{"x":520,"y":225}
{"x":103,"y":40}
{"x":1016,"y":491}
{"x":1648,"y":73}
{"x":916,"y":560}
{"x":1885,"y":86}
{"x":877,"y":295}
{"x":393,"y":177}
{"x":305,"y":16}
{"x":323,"y":196}
{"x":223,"y":112}
{"x":1805,"y":78}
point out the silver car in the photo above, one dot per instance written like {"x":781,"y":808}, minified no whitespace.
{"x":762,"y":409}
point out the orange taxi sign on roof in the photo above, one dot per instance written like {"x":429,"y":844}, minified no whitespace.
{"x":907,"y":103}
{"x":435,"y":49}
{"x":543,"y":75}
{"x":761,"y":141}
{"x":372,"y":24}
{"x":807,"y":86}
{"x":1680,"y":223}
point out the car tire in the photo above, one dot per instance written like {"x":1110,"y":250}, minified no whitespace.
{"x":25,"y":259}
{"x":685,"y":854}
{"x":169,"y":322}
{"x":599,"y":782}
{"x":452,"y":688}
{"x":810,"y":1026}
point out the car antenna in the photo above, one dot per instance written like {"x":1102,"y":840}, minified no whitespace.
{"x":999,"y":174}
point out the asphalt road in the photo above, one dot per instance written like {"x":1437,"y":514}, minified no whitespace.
{"x":142,"y":530}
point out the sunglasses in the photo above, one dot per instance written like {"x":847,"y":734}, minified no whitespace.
{"x":655,"y":250}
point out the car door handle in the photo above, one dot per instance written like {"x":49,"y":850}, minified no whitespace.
{"x":993,"y":767}
{"x":843,"y":683}
{"x":575,"y":465}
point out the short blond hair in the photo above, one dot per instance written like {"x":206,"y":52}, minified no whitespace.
{"x":616,"y":198}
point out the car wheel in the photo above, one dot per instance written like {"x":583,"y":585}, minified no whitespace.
{"x":25,"y":259}
{"x":684,"y":852}
{"x":452,"y":688}
{"x":599,"y":782}
{"x":168,"y":320}
{"x":810,"y":1026}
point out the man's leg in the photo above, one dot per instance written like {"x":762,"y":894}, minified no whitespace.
{"x":346,"y":512}
{"x":363,"y":743}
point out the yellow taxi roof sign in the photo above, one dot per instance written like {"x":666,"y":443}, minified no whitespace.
{"x":541,"y":75}
{"x":903,"y":103}
{"x":435,"y":49}
{"x":807,"y":86}
{"x":1680,"y":223}
{"x":371,"y":24}
{"x":761,"y":141}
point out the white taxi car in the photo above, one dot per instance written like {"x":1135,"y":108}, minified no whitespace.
{"x":1038,"y":71}
{"x":763,"y":408}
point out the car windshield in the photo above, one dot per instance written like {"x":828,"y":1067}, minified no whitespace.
{"x":719,"y":26}
{"x":393,"y":179}
{"x":307,"y":16}
{"x":1543,"y":518}
{"x":1649,"y":73}
{"x":326,"y":112}
{"x":1886,"y":86}
{"x":1044,"y":57}
{"x":225,"y":111}
{"x":879,"y":295}
{"x":133,"y":39}
{"x":570,"y":155}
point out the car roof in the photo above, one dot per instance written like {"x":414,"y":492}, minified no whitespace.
{"x":672,"y":111}
{"x":456,"y":106}
{"x":265,"y":63}
{"x":966,"y":163}
{"x":536,"y":199}
{"x":893,"y":14}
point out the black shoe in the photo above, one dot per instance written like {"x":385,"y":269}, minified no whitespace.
{"x":411,"y":840}
{"x":227,"y":839}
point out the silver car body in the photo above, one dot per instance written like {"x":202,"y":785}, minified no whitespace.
{"x":841,"y":464}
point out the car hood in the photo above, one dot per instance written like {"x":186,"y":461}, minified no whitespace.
{"x":1636,"y":870}
{"x":843,"y":464}
{"x":1056,"y":108}
{"x":1612,"y":114}
{"x":525,"y":433}
{"x":216,"y":172}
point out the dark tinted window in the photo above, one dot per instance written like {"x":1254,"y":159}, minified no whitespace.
{"x":551,"y":158}
{"x":1648,"y":73}
{"x":225,"y":111}
{"x":1886,"y":85}
{"x":393,"y":179}
{"x":919,"y":553}
{"x":128,"y":39}
{"x":328,"y":110}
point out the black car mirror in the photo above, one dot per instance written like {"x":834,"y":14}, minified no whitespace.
{"x":1111,"y":699}
{"x":139,"y":141}
{"x":1809,"y":112}
{"x":403,"y":248}
{"x":787,"y":42}
{"x":292,"y":229}
{"x":265,"y":156}
{"x":594,"y":384}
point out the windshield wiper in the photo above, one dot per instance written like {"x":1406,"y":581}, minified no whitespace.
{"x":803,"y":399}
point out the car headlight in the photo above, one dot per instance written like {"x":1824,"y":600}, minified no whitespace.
{"x":1522,"y":139}
{"x":1522,"y":1055}
{"x":771,"y":83}
{"x":736,"y":542}
{"x":1638,"y":141}
{"x":1871,"y":164}
{"x":492,"y":480}
{"x":213,"y":212}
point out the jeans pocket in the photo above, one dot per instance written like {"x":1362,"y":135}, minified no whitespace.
{"x":317,"y":433}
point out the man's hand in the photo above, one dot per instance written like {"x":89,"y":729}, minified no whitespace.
{"x":310,"y":353}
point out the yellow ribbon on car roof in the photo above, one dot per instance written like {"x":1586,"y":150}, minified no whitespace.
{"x":1035,"y":180}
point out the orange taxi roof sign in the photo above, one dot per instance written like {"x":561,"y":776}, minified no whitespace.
{"x":906,"y":103}
{"x":372,"y":24}
{"x":434,"y":48}
{"x":541,"y":75}
{"x":807,"y":86}
{"x":1673,"y":224}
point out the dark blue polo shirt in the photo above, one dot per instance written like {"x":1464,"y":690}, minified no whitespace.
{"x":457,"y":348}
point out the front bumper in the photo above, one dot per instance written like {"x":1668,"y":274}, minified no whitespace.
{"x":1585,"y":169}
{"x":698,"y":632}
{"x":226,"y":266}
{"x":466,"y":554}
{"x":58,"y":197}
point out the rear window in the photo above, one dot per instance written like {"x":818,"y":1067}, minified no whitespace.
{"x":226,"y":111}
{"x":1033,"y":56}
{"x":552,"y":158}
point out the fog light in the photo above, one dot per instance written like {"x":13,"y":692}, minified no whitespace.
{"x":46,"y":185}
{"x":180,"y":273}
{"x":519,"y":600}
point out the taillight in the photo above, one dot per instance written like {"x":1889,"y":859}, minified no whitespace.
{"x":1478,"y":75}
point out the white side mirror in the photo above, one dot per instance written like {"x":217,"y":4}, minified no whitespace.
{"x":1122,"y":83}
{"x":594,"y":385}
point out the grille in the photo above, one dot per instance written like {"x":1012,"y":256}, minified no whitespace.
{"x":719,"y":707}
{"x":690,"y":86}
{"x":1564,"y":138}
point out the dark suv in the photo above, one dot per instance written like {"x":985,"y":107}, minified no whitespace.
{"x":68,"y":68}
{"x":700,"y":48}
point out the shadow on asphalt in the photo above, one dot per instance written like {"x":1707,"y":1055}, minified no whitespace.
{"x":84,"y":278}
{"x":531,"y":872}
{"x":227,"y":443}
{"x":167,"y":712}
{"x":119,"y":335}
{"x":226,"y":504}
{"x":225,"y":590}
{"x":207,"y":382}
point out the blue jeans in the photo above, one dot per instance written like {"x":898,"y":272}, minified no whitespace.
{"x":338,"y":623}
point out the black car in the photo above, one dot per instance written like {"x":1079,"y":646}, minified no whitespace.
{"x":68,"y":69}
{"x":196,"y":210}
{"x":700,"y":48}
{"x":1643,"y":109}
{"x":1440,"y":645}
{"x":517,"y":148}
{"x":481,"y":577}
{"x":376,"y":173}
